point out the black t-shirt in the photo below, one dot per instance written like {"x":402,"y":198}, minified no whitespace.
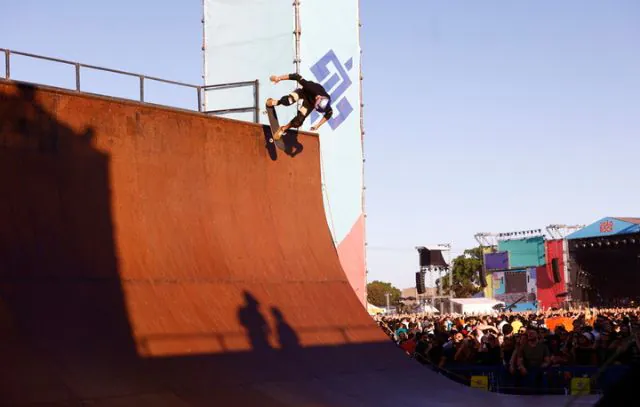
{"x":507,"y":355}
{"x":421,"y":347}
{"x":310,"y":90}
{"x":490,"y":357}
{"x":450,"y":352}
{"x":584,"y":356}
{"x":436,"y":353}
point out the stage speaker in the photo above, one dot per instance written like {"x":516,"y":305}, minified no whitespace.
{"x":420,"y":282}
{"x":425,"y":257}
{"x":482,"y":277}
{"x":430,"y":258}
{"x":556,"y":270}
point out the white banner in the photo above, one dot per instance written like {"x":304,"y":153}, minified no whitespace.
{"x":246,"y":40}
{"x":330,"y":55}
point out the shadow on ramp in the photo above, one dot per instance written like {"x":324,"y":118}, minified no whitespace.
{"x":292,"y":146}
{"x":255,"y":324}
{"x":59,"y":278}
{"x":287,"y":337}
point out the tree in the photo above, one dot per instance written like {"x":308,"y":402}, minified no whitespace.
{"x":376,"y":291}
{"x":466,"y":281}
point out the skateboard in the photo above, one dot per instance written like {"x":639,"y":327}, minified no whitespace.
{"x":275,"y":125}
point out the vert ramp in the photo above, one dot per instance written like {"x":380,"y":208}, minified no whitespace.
{"x":157,"y":257}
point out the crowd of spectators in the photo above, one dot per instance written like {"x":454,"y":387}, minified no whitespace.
{"x":520,"y":342}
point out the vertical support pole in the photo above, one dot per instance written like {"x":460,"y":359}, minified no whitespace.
{"x":7,"y":64}
{"x":297,"y":60}
{"x":450,"y":286}
{"x":204,"y":42}
{"x":441,"y":290}
{"x":77,"y":76}
{"x":199,"y":90}
{"x":256,"y":96}
{"x":362,"y":135}
{"x":141,"y":88}
{"x":297,"y":33}
{"x":450,"y":277}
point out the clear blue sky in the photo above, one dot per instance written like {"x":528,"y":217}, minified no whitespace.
{"x":480,"y":115}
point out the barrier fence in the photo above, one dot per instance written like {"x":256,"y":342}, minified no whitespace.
{"x":563,"y":380}
{"x":200,"y":90}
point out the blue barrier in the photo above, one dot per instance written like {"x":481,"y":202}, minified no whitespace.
{"x":552,"y":380}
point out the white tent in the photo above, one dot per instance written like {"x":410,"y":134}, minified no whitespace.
{"x":430,"y":308}
{"x":373,"y":310}
{"x":474,"y":305}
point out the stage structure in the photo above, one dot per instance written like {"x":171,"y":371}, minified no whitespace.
{"x":485,"y":278}
{"x":552,"y":279}
{"x":486,"y":240}
{"x":604,"y":263}
{"x":511,"y":264}
{"x":434,"y":267}
{"x":251,"y":40}
{"x":553,"y":276}
{"x":542,"y":259}
{"x":560,"y":232}
{"x":488,"y":244}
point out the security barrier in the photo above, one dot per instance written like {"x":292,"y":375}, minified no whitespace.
{"x":566,"y":380}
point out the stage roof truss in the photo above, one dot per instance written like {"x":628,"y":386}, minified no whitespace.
{"x":559,"y":232}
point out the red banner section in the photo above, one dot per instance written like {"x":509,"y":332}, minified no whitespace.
{"x":550,"y":278}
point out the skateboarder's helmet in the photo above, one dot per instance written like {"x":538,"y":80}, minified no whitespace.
{"x":322,"y":104}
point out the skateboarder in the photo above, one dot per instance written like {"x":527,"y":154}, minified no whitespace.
{"x":313,"y":96}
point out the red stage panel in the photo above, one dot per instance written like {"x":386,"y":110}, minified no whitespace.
{"x":547,"y":287}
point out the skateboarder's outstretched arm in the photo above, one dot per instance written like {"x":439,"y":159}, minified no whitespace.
{"x":327,"y":115}
{"x":290,"y":76}
{"x":316,"y":127}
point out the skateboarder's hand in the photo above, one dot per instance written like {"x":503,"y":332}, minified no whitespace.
{"x":314,"y":128}
{"x":274,"y":79}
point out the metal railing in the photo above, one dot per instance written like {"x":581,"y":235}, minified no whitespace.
{"x":199,"y":89}
{"x":256,"y":98}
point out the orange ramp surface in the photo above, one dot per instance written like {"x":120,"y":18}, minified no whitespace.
{"x":157,"y":257}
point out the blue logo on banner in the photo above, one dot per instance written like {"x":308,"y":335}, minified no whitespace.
{"x":332,"y":74}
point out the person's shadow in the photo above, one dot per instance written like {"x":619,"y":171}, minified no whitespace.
{"x":255,"y":324}
{"x":289,"y":142}
{"x":293,"y":147}
{"x":287,"y":336}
